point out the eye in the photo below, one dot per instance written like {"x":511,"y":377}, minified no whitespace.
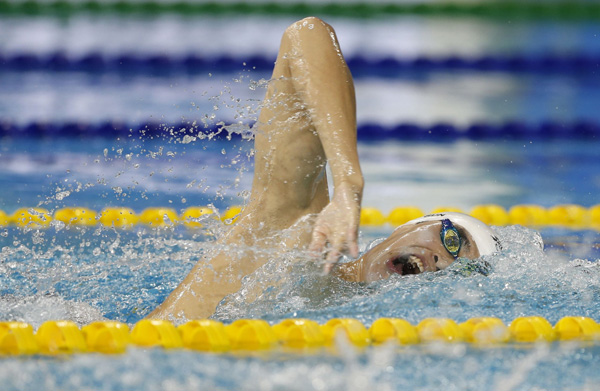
{"x":450,"y":238}
{"x":452,"y":242}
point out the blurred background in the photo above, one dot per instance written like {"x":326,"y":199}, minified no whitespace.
{"x":150,"y":104}
{"x":458,"y":103}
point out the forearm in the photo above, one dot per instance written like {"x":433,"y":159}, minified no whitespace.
{"x":216,"y":276}
{"x":324,"y":85}
{"x":308,"y":118}
{"x":195,"y":298}
{"x":322,"y":77}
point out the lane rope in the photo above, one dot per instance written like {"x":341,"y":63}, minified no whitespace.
{"x":290,"y":335}
{"x":360,"y":66}
{"x":438,"y":132}
{"x":568,"y":216}
{"x":513,"y":10}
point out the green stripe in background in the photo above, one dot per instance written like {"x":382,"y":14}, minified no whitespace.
{"x":562,"y":10}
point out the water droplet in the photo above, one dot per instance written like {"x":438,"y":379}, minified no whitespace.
{"x":188,"y":139}
{"x":63,"y":194}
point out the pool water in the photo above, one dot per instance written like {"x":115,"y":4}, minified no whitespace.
{"x":93,"y":273}
{"x":87,"y":274}
{"x":97,"y":172}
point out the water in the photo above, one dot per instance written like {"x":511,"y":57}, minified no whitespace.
{"x":124,"y":275}
{"x":96,"y":173}
{"x":92,"y":274}
{"x":438,"y":367}
{"x":88,"y":274}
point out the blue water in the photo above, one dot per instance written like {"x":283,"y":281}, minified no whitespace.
{"x":423,"y":97}
{"x":447,"y":368}
{"x":96,"y":173}
{"x":96,"y":273}
{"x":91,"y":274}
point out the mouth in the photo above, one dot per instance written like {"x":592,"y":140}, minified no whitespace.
{"x":406,"y":264}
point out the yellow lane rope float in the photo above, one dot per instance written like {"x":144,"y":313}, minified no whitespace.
{"x":250,"y":335}
{"x":568,"y":216}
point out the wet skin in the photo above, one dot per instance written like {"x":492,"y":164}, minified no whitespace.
{"x":410,"y":249}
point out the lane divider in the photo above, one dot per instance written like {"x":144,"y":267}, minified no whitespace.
{"x":360,"y":66}
{"x":117,"y":217}
{"x":251,"y":335}
{"x":439,"y":132}
{"x":569,"y":216}
{"x":513,"y":10}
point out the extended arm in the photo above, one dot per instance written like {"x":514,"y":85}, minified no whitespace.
{"x":308,"y":118}
{"x":325,"y":82}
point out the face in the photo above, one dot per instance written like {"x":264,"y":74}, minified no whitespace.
{"x":413,"y":249}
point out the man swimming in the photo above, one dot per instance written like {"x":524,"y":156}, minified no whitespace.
{"x":308,"y":119}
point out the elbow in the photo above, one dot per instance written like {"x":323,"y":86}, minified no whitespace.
{"x":309,"y":29}
{"x":309,"y":23}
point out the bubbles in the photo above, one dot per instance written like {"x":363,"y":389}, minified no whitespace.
{"x":38,"y":308}
{"x":119,"y":275}
{"x":62,"y":195}
{"x":521,"y":280}
{"x":188,"y":139}
{"x":132,"y":170}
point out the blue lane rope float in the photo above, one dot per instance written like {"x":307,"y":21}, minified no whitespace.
{"x":513,"y":10}
{"x":61,"y":337}
{"x":440,"y":132}
{"x":568,"y":216}
{"x":359,"y":65}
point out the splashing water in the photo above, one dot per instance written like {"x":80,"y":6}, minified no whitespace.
{"x":89,"y":274}
{"x":524,"y":280}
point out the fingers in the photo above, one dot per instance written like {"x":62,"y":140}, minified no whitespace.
{"x":326,"y":243}
{"x":333,"y":255}
{"x":318,"y":241}
{"x":352,"y":242}
{"x":318,"y":247}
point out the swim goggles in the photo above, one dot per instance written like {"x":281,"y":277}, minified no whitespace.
{"x":450,"y":238}
{"x":483,"y":236}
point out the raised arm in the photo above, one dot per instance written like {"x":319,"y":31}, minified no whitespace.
{"x":324,"y":81}
{"x":308,"y":118}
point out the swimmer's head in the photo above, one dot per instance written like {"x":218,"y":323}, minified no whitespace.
{"x":428,"y":244}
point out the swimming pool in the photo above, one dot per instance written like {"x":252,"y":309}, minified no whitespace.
{"x":92,"y":273}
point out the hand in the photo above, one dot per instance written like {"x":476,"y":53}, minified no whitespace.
{"x":336,"y":228}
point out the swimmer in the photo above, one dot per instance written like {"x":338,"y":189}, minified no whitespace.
{"x":308,"y":120}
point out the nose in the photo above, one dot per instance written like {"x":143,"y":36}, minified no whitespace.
{"x":440,"y":261}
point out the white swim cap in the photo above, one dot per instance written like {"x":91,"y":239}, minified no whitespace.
{"x":483,"y":236}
